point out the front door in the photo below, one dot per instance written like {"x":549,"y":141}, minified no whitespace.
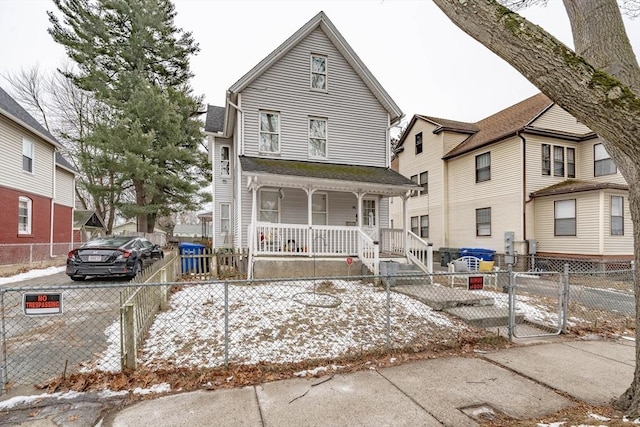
{"x":370,"y":218}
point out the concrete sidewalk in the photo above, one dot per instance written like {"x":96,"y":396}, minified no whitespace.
{"x":522,"y":382}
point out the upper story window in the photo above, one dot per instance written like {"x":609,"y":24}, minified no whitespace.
{"x":24,"y":215}
{"x":565,"y":218}
{"x":558,"y":161}
{"x":483,"y":222}
{"x":27,"y":155}
{"x":571,"y":162}
{"x":225,"y":169}
{"x":546,"y":159}
{"x":561,"y":165}
{"x":419,"y":143}
{"x":617,"y":216}
{"x":319,"y":73}
{"x":269,"y":132}
{"x":603,"y":163}
{"x":421,"y":179}
{"x":483,"y":167}
{"x":318,"y":138}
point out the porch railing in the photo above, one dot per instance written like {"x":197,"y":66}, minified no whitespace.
{"x":391,"y":241}
{"x":300,"y":239}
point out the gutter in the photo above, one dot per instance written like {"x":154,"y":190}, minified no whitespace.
{"x":524,"y":185}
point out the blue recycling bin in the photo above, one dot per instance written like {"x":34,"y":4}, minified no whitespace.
{"x":481,"y":253}
{"x":187,"y":263}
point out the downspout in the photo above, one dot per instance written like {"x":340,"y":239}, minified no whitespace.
{"x":524,"y":185}
{"x":53,"y":204}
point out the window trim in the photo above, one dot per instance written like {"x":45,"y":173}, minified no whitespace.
{"x":425,"y":183}
{"x":606,"y":159}
{"x":260,"y":132}
{"x":556,"y":218}
{"x":571,"y":164}
{"x":418,"y":147}
{"x":325,"y":74}
{"x":415,"y":225}
{"x":488,"y":209}
{"x":29,"y":216}
{"x":260,"y":210}
{"x":422,"y":227}
{"x":326,"y":207}
{"x":225,"y":171}
{"x":222,"y":218}
{"x":546,"y":159}
{"x":31,"y":156}
{"x":326,"y":137}
{"x":558,"y":162}
{"x":483,"y":169}
{"x":612,"y":216}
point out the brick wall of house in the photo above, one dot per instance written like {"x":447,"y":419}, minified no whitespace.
{"x":62,"y":221}
{"x":41,"y":218}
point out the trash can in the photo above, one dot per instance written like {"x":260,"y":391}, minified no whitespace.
{"x":447,"y":255}
{"x":481,"y":253}
{"x":189,"y":261}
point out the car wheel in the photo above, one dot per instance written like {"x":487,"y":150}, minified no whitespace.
{"x":137,"y":269}
{"x":78,"y":278}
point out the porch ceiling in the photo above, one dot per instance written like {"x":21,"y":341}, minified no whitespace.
{"x":325,"y":176}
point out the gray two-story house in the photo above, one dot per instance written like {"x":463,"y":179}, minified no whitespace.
{"x":301,"y":158}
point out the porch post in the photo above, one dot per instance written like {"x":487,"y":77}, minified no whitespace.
{"x":405,"y":217}
{"x":309,"y":192}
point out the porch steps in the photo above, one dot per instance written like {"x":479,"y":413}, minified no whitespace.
{"x":474,"y":309}
{"x":398,"y":270}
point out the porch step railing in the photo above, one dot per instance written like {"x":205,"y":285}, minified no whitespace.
{"x":419,"y":252}
{"x":369,"y":252}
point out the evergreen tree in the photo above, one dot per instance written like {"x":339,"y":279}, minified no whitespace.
{"x":132,"y":57}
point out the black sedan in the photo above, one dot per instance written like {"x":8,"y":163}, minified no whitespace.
{"x":112,"y":256}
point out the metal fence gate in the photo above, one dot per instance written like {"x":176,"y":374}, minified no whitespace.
{"x":548,"y":315}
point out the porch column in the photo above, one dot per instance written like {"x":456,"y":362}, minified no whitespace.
{"x":405,"y":217}
{"x":310,"y":192}
{"x":359,"y":195}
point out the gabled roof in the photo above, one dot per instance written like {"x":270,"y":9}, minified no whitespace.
{"x":215,"y":119}
{"x":505,"y":123}
{"x":440,"y":124}
{"x":329,"y":171}
{"x":64,"y":163}
{"x":10,"y":108}
{"x":319,"y":21}
{"x":576,"y":186}
{"x":86,"y":218}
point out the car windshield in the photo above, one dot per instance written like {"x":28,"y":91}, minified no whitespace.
{"x":113,"y":241}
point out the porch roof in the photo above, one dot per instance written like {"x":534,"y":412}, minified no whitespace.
{"x":576,"y":186}
{"x":329,"y":176}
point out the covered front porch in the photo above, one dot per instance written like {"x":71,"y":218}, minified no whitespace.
{"x":319,"y":210}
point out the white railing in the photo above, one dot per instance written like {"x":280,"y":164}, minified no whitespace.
{"x":391,"y":241}
{"x":300,"y":239}
{"x":419,"y":252}
{"x":368,"y":252}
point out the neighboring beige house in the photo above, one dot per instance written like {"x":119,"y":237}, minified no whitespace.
{"x":131,"y":227}
{"x":532,"y":169}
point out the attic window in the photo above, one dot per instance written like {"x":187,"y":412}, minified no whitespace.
{"x":419,"y":143}
{"x":319,"y":73}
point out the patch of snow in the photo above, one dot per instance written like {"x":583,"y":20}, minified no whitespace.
{"x":156,"y":388}
{"x":599,"y":417}
{"x":32,"y":274}
{"x":556,"y":424}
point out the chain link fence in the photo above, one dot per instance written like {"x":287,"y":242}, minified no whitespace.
{"x":211,"y":324}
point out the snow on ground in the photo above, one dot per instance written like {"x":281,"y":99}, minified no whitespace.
{"x":32,"y":274}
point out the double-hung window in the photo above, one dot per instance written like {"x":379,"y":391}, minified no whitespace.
{"x":419,"y":143}
{"x":24,"y":215}
{"x":483,"y":167}
{"x":565,"y":218}
{"x":225,"y":217}
{"x":420,"y":225}
{"x":558,"y":161}
{"x":603,"y":163}
{"x":318,"y":138}
{"x":319,"y":73}
{"x":224,"y":160}
{"x":269,"y":206}
{"x":571,"y":162}
{"x":424,"y":182}
{"x":617,"y":216}
{"x":319,"y":209}
{"x":27,"y":155}
{"x":546,"y":159}
{"x":483,"y":222}
{"x":269,"y":132}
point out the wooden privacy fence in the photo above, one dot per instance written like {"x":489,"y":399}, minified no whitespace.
{"x":140,"y":304}
{"x":205,"y":263}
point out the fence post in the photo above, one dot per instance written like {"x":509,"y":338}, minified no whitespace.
{"x":512,"y":304}
{"x":4,"y":376}
{"x":388,"y":285}
{"x":565,"y":298}
{"x":128,"y":322}
{"x":163,"y":290}
{"x":226,"y":324}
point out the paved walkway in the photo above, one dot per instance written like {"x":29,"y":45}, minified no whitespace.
{"x":523,"y":382}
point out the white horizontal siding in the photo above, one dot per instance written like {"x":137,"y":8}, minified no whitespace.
{"x":557,"y":119}
{"x":65,"y":193}
{"x":11,"y":174}
{"x":356,"y":120}
{"x":223,"y":189}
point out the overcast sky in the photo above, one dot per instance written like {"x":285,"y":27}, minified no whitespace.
{"x":425,"y":63}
